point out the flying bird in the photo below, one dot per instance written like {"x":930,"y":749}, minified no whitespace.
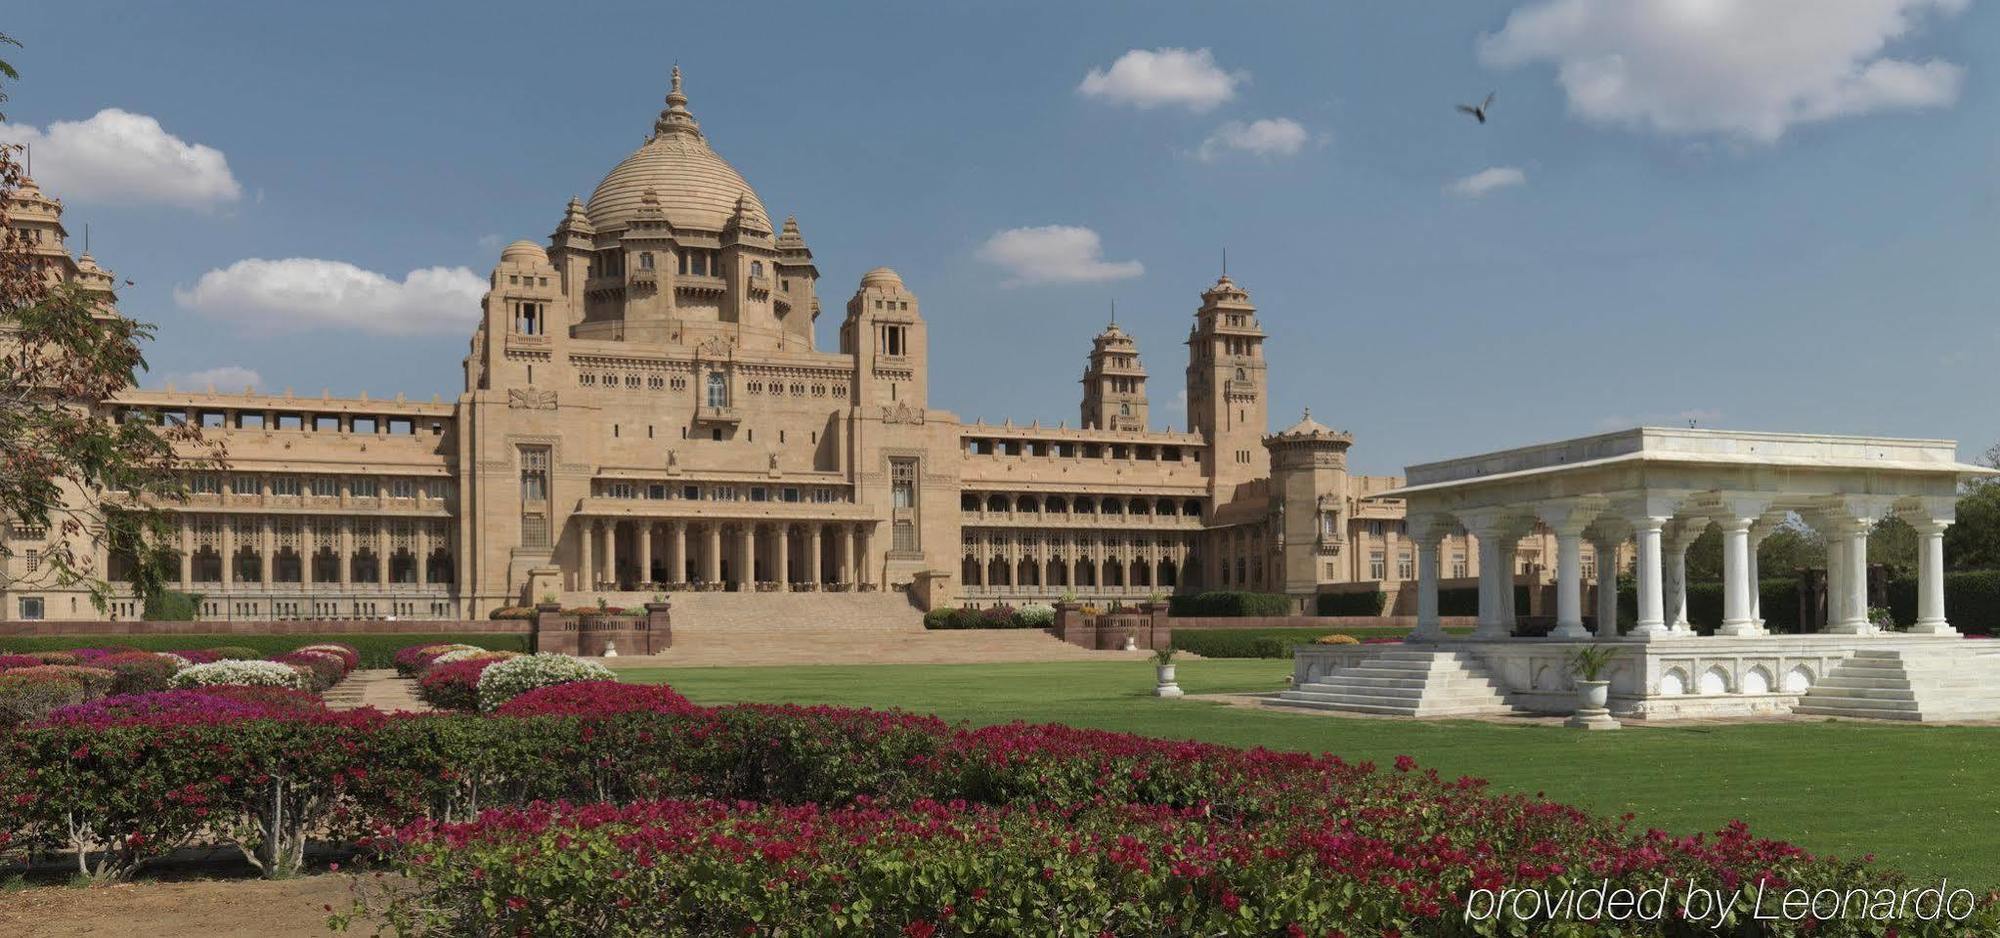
{"x":1480,"y":111}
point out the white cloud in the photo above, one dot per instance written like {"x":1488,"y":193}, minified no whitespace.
{"x":224,"y":378}
{"x":1054,"y":254}
{"x":1746,"y":69}
{"x":304,"y":293}
{"x":1486,"y":180}
{"x":121,"y":156}
{"x":1269,"y":137}
{"x":1150,"y":78}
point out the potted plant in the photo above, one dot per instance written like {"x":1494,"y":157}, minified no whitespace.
{"x":1163,"y":670}
{"x":1587,"y":665}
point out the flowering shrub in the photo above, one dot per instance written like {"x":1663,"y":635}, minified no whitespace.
{"x":411,"y":661}
{"x":1036,"y":615}
{"x":594,"y":699}
{"x":205,"y":705}
{"x":454,"y":685}
{"x":88,"y":655}
{"x":318,"y":671}
{"x":138,"y":672}
{"x":349,"y":655}
{"x":255,"y":673}
{"x":277,"y":701}
{"x":95,"y":682}
{"x":468,"y":653}
{"x":18,"y":661}
{"x":26,"y":697}
{"x":200,"y":656}
{"x":506,"y":679}
{"x":55,"y":657}
{"x":234,"y":653}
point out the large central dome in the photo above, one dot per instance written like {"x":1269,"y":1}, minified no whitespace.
{"x":695,"y":186}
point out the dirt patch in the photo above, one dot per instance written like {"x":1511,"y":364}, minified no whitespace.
{"x":217,"y":908}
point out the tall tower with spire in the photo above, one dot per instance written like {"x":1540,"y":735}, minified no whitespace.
{"x":1114,"y":383}
{"x":1226,"y":385}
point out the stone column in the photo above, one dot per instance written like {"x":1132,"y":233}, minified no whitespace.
{"x":1758,"y":532}
{"x":749,"y":556}
{"x":423,"y":552}
{"x":782,"y":571}
{"x":813,"y":555}
{"x":382,"y":553}
{"x":1429,"y":627}
{"x":1851,"y":560}
{"x":863,"y":563}
{"x":1607,"y":587}
{"x":843,"y":556}
{"x":1738,"y":619}
{"x":611,"y":555}
{"x":1509,"y":547}
{"x":1651,"y":619}
{"x":1675,"y":574}
{"x":346,"y":551}
{"x":228,"y":551}
{"x":1492,"y":611}
{"x":1930,"y":578}
{"x":712,"y":564}
{"x":187,"y":553}
{"x":586,"y":564}
{"x":1569,"y":584}
{"x":266,"y":540}
{"x":677,"y":552}
{"x":645,"y":533}
{"x":308,"y":547}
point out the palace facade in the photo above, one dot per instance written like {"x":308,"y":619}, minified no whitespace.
{"x":647,"y":408}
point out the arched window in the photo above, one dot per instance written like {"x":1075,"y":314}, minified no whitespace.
{"x":718,"y":390}
{"x":756,"y":268}
{"x":1242,"y":375}
{"x":1124,"y":410}
{"x":645,"y":260}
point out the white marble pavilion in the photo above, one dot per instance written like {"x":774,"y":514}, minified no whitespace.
{"x":1661,"y":488}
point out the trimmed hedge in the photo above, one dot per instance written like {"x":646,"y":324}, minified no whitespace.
{"x":1231,"y":603}
{"x":1460,"y":601}
{"x":172,"y":606}
{"x":1971,"y":601}
{"x":376,"y":651}
{"x":1350,"y":604}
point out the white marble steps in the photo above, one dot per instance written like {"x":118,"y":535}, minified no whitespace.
{"x":1916,"y":685}
{"x":1405,"y":683}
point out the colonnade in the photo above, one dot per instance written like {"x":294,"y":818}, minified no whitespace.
{"x":1056,"y":561}
{"x":1661,"y":531}
{"x":312,"y":551}
{"x":613,"y":554}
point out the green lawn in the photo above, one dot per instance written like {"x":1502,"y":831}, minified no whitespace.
{"x":1917,"y":797}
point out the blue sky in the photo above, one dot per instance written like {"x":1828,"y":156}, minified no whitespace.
{"x":1779,"y":214}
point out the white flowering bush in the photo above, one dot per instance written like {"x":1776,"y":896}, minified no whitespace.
{"x":1036,"y":615}
{"x":180,"y":663}
{"x":461,"y":653}
{"x":248,"y":673}
{"x":501,"y":682}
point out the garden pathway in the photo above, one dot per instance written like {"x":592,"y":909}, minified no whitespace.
{"x":375,"y":687}
{"x":802,"y":645}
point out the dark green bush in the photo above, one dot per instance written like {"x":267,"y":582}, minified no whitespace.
{"x":1231,"y":603}
{"x":1243,"y":643}
{"x":1971,"y":600}
{"x":377,"y":651}
{"x":172,"y":606}
{"x":1463,"y":601}
{"x":1350,"y":604}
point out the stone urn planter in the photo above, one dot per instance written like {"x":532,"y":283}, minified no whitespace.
{"x":1165,"y":684}
{"x":1593,"y":692}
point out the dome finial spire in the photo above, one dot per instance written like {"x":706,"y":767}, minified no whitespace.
{"x":676,"y":119}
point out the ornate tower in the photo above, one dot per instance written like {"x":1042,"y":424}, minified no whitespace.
{"x":884,"y":331}
{"x":1114,"y":384}
{"x":1226,"y":385}
{"x":1308,"y":501}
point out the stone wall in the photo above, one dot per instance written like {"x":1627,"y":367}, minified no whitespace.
{"x":592,"y":636}
{"x":1150,"y":627}
{"x":1329,"y":623}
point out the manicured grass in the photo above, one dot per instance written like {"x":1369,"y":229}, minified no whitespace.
{"x":1919,"y":798}
{"x":1272,"y":643}
{"x":377,"y":651}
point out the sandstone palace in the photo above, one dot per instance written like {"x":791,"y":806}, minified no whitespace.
{"x":648,"y":408}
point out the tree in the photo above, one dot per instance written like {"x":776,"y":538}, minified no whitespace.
{"x":77,"y":482}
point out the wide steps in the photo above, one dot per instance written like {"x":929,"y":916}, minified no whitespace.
{"x":1406,"y":683}
{"x":1890,"y":684}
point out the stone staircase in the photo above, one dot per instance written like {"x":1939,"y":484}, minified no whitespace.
{"x":1406,"y":683}
{"x":741,"y":629}
{"x":1920,"y":685}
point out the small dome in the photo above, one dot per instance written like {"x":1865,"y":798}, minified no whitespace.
{"x":524,"y":252}
{"x":882,"y":277}
{"x":676,"y":171}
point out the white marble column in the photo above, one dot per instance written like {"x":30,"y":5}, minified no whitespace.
{"x":1738,"y":618}
{"x":1510,"y":548}
{"x":1492,"y":613}
{"x":1429,"y":627}
{"x":1607,"y":586}
{"x":1677,"y":538}
{"x":1651,"y":621}
{"x":1850,"y":557}
{"x":1930,"y":578}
